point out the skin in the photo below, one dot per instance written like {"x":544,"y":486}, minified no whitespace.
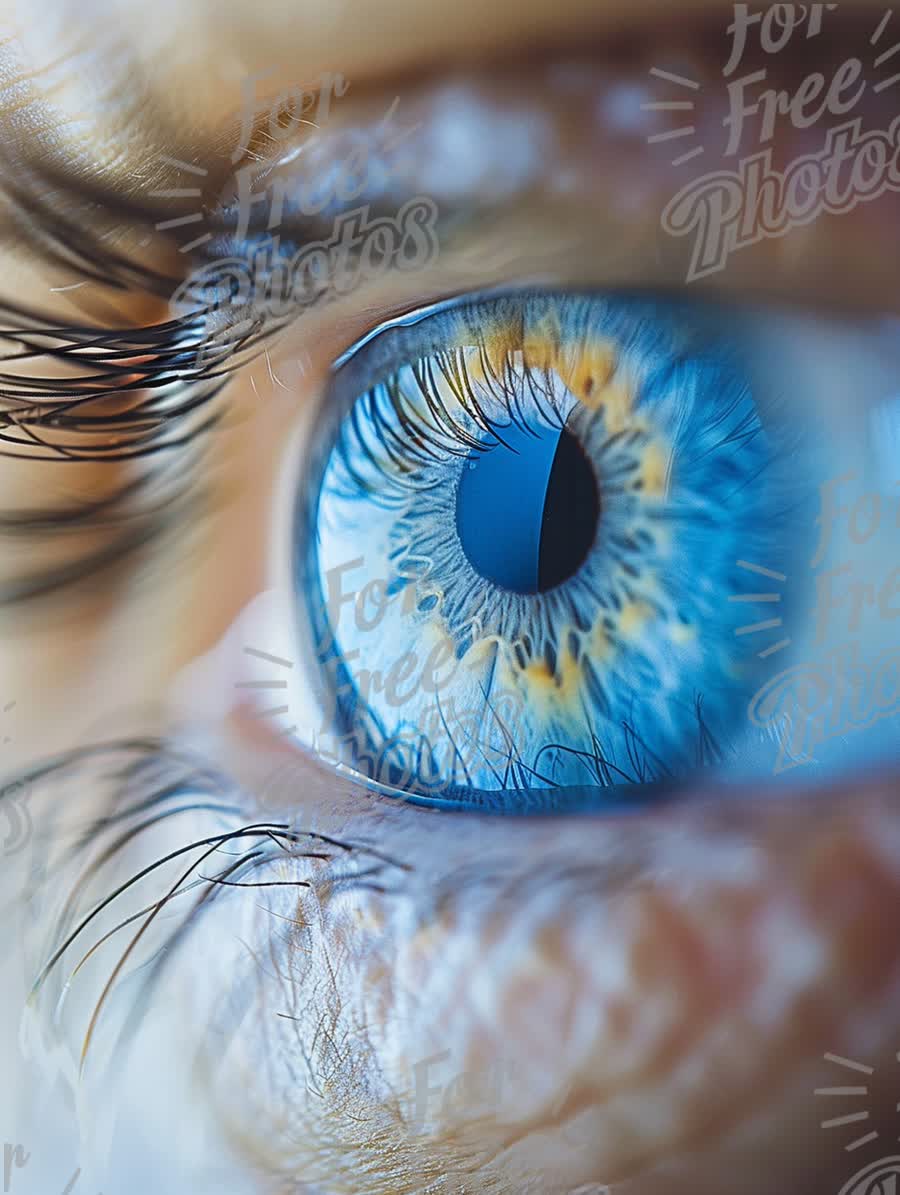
{"x":646,"y":1000}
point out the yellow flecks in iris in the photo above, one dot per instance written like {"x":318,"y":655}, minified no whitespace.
{"x":500,"y":343}
{"x":599,"y":646}
{"x":632,"y":618}
{"x":539,"y":353}
{"x":655,"y":470}
{"x":586,"y":369}
{"x":564,"y":679}
{"x":541,"y":342}
{"x":682,"y":634}
{"x":482,"y":650}
{"x":615,"y":401}
{"x":559,"y":690}
{"x":538,"y":674}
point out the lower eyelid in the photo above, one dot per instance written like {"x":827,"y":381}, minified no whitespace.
{"x":603,"y":969}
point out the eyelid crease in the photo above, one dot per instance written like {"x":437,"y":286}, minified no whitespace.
{"x":88,"y":568}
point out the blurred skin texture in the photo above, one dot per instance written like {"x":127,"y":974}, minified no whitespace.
{"x":447,"y":1003}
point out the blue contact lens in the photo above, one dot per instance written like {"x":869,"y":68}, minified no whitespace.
{"x":526,"y":519}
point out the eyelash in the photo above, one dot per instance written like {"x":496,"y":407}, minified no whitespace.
{"x":154,"y":785}
{"x":62,"y":405}
{"x":62,"y":420}
{"x":424,"y":433}
{"x":41,"y":416}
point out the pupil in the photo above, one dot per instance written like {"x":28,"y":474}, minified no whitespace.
{"x":571,"y":511}
{"x":527,"y":510}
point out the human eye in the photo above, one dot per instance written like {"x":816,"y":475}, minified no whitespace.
{"x":544,"y":543}
{"x":529,"y":523}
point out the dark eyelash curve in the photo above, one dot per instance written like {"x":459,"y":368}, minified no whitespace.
{"x":62,"y":418}
{"x":125,"y":394}
{"x":43,"y":418}
{"x":434,"y":432}
{"x":129,"y":395}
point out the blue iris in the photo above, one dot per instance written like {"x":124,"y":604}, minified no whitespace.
{"x":527,"y":519}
